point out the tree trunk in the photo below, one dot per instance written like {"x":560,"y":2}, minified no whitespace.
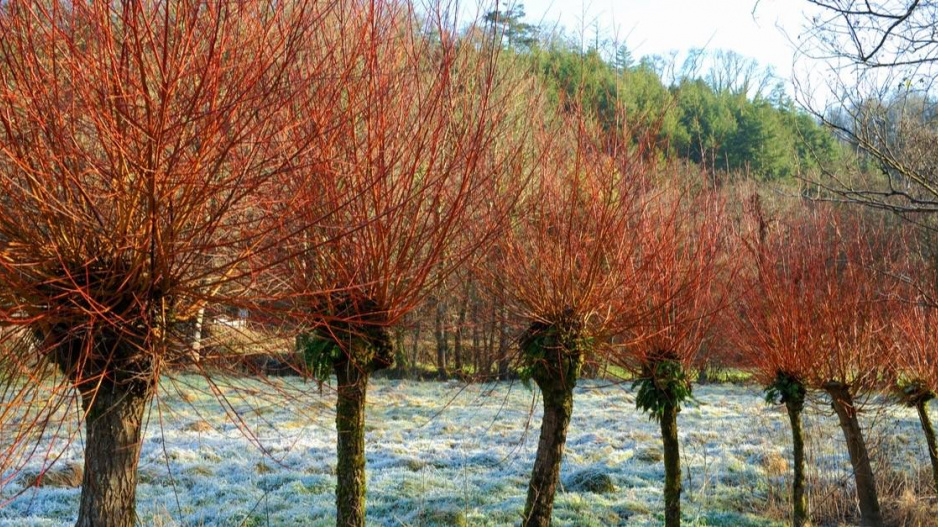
{"x":416,"y":348}
{"x":799,"y":499}
{"x":491,"y":328}
{"x":197,"y":334}
{"x":922,"y":407}
{"x":476,"y":341}
{"x":440,"y":333}
{"x":672,"y":466}
{"x":502,"y":342}
{"x":400,"y":351}
{"x":870,"y":515}
{"x":113,"y":422}
{"x":558,"y":406}
{"x":458,"y":334}
{"x":352,"y":384}
{"x":446,"y":350}
{"x":591,"y":370}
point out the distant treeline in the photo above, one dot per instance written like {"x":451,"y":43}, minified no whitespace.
{"x":720,"y":110}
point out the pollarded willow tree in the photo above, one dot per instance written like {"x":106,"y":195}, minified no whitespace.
{"x":775,"y":322}
{"x":133,"y":135}
{"x":415,"y":168}
{"x":813,"y":320}
{"x":684,"y":288}
{"x":788,"y":277}
{"x":567,"y":269}
{"x":914,"y":360}
{"x":849,"y":327}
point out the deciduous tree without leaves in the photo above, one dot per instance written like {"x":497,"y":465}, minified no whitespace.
{"x":133,"y":135}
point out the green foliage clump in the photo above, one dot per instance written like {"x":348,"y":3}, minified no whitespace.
{"x":319,"y":354}
{"x":786,"y":388}
{"x":663,"y":383}
{"x":370,"y":348}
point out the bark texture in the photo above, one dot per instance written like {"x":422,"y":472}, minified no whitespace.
{"x":922,"y":407}
{"x":458,"y":334}
{"x":870,"y":513}
{"x":113,"y":423}
{"x":350,"y":424}
{"x":558,"y":407}
{"x":672,"y":466}
{"x":442,"y":339}
{"x":415,"y":348}
{"x":503,"y":359}
{"x":799,"y":497}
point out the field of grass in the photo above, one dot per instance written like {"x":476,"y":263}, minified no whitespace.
{"x":451,"y":454}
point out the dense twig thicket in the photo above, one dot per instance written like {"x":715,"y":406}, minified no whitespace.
{"x":133,"y":139}
{"x":413,"y":170}
{"x":914,"y":357}
{"x":685,"y":287}
{"x":568,"y":269}
{"x":812,"y":317}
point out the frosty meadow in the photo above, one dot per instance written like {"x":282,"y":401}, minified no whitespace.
{"x":468,"y":464}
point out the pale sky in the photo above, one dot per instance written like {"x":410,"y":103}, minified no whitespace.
{"x":655,"y":27}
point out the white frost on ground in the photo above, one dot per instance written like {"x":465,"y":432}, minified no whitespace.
{"x":449,"y":454}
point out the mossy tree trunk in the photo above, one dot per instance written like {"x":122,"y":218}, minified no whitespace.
{"x":115,"y":383}
{"x":922,"y":406}
{"x":842,"y":400}
{"x":554,"y":357}
{"x":799,"y":497}
{"x":367,"y":349}
{"x":400,"y":351}
{"x":662,"y":387}
{"x":672,"y":465}
{"x":352,"y":381}
{"x":558,"y":407}
{"x":114,"y":416}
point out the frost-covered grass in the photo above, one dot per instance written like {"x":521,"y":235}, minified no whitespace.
{"x":449,"y":454}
